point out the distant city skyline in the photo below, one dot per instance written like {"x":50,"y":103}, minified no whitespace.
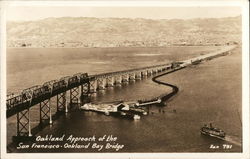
{"x":20,"y":13}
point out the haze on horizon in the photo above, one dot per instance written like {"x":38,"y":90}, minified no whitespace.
{"x":17,"y":13}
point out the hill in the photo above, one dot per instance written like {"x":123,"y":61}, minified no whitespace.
{"x":115,"y":32}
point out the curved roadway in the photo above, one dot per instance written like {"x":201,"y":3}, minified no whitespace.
{"x":175,"y":89}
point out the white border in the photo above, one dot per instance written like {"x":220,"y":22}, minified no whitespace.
{"x":245,"y":79}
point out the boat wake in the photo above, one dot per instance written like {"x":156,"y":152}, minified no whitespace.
{"x":234,"y":140}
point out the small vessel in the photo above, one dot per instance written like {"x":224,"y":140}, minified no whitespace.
{"x":212,"y":131}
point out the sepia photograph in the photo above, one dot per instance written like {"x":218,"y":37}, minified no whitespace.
{"x":147,"y":79}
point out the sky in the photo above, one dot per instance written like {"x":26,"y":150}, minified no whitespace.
{"x":15,"y":13}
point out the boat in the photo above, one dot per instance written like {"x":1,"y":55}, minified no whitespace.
{"x":212,"y":131}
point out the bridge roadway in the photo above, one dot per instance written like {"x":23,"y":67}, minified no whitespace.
{"x":36,"y":94}
{"x":80,"y":86}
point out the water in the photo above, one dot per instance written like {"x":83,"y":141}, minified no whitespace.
{"x":30,"y":66}
{"x":205,"y":96}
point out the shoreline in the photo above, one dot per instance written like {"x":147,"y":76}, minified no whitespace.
{"x":114,"y":47}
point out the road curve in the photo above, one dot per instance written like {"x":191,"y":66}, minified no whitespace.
{"x":175,"y":89}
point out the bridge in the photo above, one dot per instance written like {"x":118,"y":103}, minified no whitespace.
{"x":80,"y":87}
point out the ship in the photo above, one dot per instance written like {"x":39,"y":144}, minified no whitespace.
{"x":212,"y":131}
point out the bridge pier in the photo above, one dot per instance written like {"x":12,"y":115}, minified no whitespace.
{"x":23,"y":123}
{"x":61,"y":102}
{"x":144,"y":73}
{"x":110,"y":81}
{"x":138,"y":75}
{"x":23,"y":127}
{"x":85,"y":91}
{"x":164,"y":68}
{"x":118,"y":80}
{"x":149,"y":72}
{"x":125,"y":78}
{"x":132,"y":76}
{"x":158,"y":70}
{"x":93,"y":86}
{"x":45,"y":112}
{"x":101,"y":83}
{"x":154,"y":71}
{"x":74,"y":95}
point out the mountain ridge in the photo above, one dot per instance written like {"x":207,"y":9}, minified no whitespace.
{"x":122,"y":32}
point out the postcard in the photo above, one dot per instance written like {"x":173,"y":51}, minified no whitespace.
{"x":124,"y":79}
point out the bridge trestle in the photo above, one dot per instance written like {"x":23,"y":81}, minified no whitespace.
{"x":23,"y":123}
{"x":61,"y":104}
{"x":74,"y":95}
{"x":138,"y":75}
{"x":125,"y":78}
{"x":85,"y":92}
{"x":132,"y":76}
{"x":101,"y":83}
{"x":118,"y":80}
{"x":144,"y":73}
{"x":93,"y":86}
{"x":149,"y":72}
{"x":45,"y":112}
{"x":110,"y":81}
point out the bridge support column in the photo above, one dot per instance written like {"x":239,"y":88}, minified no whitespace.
{"x":149,"y":72}
{"x":45,"y":112}
{"x":61,"y":102}
{"x":110,"y":81}
{"x":125,"y":78}
{"x":118,"y":80}
{"x":138,"y":75}
{"x":85,"y":90}
{"x":93,"y":86}
{"x":74,"y":95}
{"x":144,"y":73}
{"x":132,"y":76}
{"x":154,"y":71}
{"x":101,"y":83}
{"x":23,"y":127}
{"x":23,"y":123}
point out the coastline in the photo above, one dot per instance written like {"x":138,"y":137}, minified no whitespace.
{"x":114,"y":47}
